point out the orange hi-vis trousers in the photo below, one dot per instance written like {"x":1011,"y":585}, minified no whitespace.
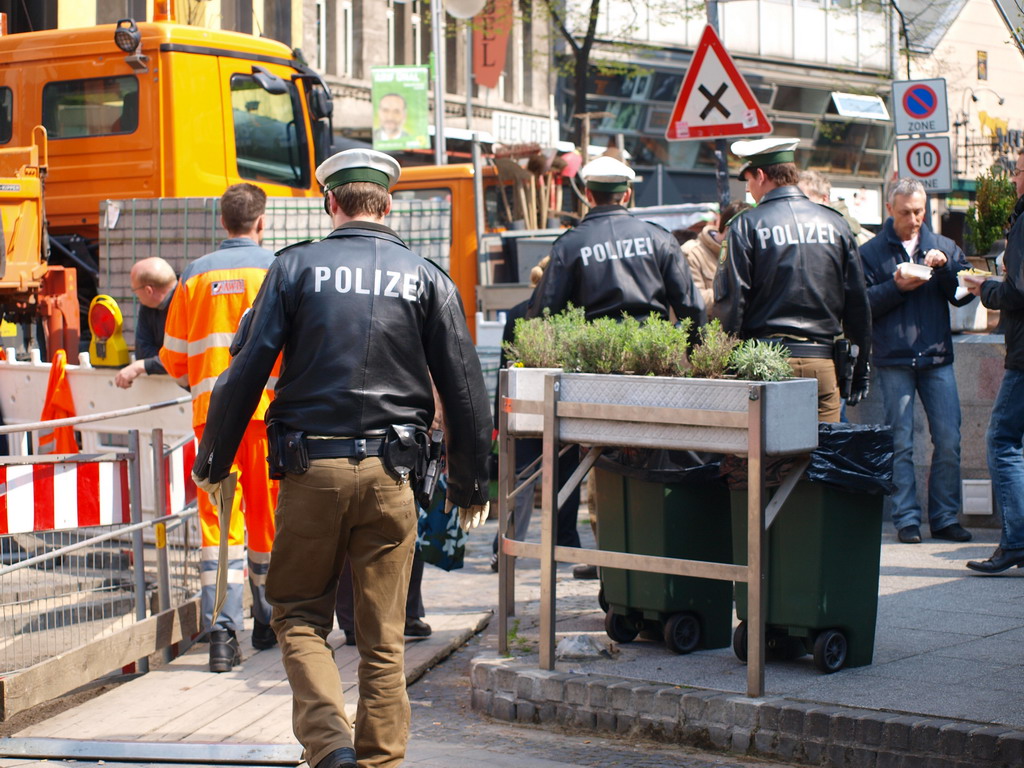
{"x":252,"y":518}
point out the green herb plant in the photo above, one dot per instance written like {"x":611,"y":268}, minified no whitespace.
{"x":761,"y":361}
{"x":605,"y":345}
{"x":656,"y":347}
{"x":709,"y":358}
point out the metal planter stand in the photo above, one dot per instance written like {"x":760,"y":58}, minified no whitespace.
{"x":562,"y":420}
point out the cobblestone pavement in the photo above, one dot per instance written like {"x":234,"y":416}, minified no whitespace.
{"x":447,"y":733}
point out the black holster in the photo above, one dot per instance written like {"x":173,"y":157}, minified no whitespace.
{"x":286,"y":451}
{"x":844,"y":355}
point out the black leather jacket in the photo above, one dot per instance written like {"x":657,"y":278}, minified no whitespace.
{"x":792,"y":268}
{"x":364,"y":323}
{"x":614,"y":262}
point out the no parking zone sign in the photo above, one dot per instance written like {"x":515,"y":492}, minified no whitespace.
{"x":928,"y":160}
{"x":919,"y":106}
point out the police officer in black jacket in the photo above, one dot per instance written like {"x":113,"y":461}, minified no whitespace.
{"x":791,"y":274}
{"x":365,"y":324}
{"x":614,"y":262}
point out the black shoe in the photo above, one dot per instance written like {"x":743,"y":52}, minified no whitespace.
{"x":954,"y":532}
{"x":1001,"y":560}
{"x":417,"y":628}
{"x":343,"y":757}
{"x":910,"y":535}
{"x":350,"y":636}
{"x":585,"y":572}
{"x":263,"y":636}
{"x":224,"y":651}
{"x":494,"y":562}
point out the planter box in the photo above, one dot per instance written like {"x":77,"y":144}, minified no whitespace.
{"x":668,"y":412}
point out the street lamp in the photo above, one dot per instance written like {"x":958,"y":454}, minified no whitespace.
{"x":460,"y":9}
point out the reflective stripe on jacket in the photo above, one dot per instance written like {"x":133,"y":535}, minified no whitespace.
{"x":213,"y":294}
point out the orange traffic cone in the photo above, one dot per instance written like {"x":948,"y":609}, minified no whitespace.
{"x":57,"y":405}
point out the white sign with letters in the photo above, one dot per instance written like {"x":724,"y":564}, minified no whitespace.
{"x":513,"y":128}
{"x":919,"y":106}
{"x":927,"y":160}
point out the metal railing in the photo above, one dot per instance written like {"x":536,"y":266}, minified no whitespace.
{"x":64,"y":591}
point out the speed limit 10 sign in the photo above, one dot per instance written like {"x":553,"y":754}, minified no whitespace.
{"x":928,"y":160}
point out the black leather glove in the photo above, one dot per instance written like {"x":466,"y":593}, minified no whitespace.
{"x":858,"y":391}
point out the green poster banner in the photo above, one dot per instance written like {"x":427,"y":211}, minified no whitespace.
{"x":400,"y":117}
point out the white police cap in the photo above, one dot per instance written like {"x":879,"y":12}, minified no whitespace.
{"x":761,"y":152}
{"x":358,"y":165}
{"x":606,"y":174}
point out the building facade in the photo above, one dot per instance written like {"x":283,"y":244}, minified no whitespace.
{"x":798,"y":57}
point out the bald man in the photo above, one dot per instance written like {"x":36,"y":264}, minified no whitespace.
{"x":153,"y":282}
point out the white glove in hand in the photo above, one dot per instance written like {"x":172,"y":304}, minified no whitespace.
{"x":203,"y":483}
{"x":470,"y":517}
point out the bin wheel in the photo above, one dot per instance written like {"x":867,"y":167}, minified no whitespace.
{"x":830,"y":651}
{"x":785,"y":648}
{"x":739,"y":641}
{"x":682,"y":632}
{"x":620,"y":628}
{"x":601,"y":600}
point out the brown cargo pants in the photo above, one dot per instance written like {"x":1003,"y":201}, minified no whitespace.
{"x":829,"y":402}
{"x":344,"y":508}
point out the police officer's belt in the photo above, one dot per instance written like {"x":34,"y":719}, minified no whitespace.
{"x":804,"y":349}
{"x":343,"y":447}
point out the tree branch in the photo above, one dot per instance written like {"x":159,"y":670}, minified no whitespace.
{"x":560,"y":23}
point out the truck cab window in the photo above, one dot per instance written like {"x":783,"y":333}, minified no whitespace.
{"x":270,"y":140}
{"x":6,"y":114}
{"x":99,"y":106}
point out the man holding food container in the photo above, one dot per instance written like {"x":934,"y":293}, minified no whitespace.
{"x":911,"y":274}
{"x":1005,"y":436}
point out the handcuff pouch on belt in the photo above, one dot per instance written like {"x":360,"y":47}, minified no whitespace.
{"x":404,"y":455}
{"x":286,"y":451}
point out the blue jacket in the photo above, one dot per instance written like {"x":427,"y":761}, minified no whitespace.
{"x":911,"y":328}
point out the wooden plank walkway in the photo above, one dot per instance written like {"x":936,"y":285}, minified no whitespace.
{"x":183,"y":701}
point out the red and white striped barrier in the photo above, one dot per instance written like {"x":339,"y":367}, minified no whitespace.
{"x":51,"y":497}
{"x":181,"y":491}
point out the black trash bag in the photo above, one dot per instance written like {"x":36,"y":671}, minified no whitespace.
{"x":853,"y":457}
{"x":657,"y":465}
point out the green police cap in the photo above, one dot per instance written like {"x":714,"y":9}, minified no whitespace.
{"x":762,"y":152}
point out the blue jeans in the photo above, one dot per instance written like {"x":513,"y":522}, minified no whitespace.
{"x":937,"y":389}
{"x":1005,"y":457}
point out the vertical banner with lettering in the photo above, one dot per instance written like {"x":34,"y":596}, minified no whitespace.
{"x":400,"y":115}
{"x":491,"y":30}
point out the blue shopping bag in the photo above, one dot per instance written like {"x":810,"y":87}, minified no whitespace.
{"x":441,"y":540}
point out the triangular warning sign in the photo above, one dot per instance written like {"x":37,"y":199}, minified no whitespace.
{"x":715,"y":101}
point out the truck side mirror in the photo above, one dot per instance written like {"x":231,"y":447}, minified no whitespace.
{"x":320,"y":103}
{"x":268,"y":81}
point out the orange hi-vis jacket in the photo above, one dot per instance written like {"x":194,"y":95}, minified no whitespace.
{"x":213,"y":293}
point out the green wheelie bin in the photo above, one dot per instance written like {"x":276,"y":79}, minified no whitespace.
{"x":823,"y":553}
{"x":688,"y":520}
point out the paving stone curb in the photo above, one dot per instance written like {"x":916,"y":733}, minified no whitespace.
{"x":774,"y":728}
